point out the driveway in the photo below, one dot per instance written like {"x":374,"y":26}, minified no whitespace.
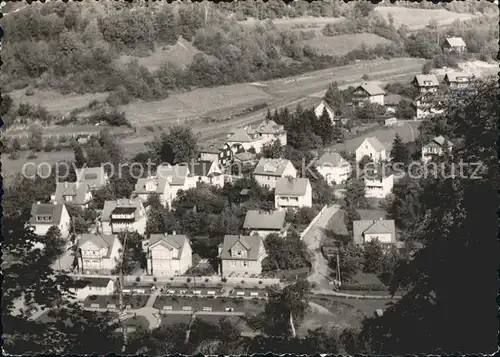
{"x":320,"y":271}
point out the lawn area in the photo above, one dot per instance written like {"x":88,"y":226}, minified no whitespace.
{"x":372,"y":214}
{"x":299,"y":23}
{"x":12,"y":167}
{"x":342,"y":44}
{"x":138,"y":321}
{"x":416,"y":18}
{"x":219,"y":304}
{"x":288,"y":275}
{"x":135,"y":301}
{"x":179,"y":55}
{"x":194,"y":104}
{"x":359,"y":308}
{"x":56,"y":102}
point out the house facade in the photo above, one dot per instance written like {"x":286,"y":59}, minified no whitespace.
{"x":365,"y":231}
{"x":167,"y":254}
{"x":269,"y":131}
{"x":269,"y":171}
{"x":438,"y":146}
{"x":93,"y":286}
{"x":178,"y":177}
{"x":95,"y":177}
{"x":293,"y":193}
{"x":321,"y":107}
{"x":367,"y":93}
{"x":454,"y":44}
{"x":372,"y":148}
{"x":123,"y":215}
{"x":211,"y":152}
{"x":207,"y":172}
{"x":248,"y":138}
{"x":46,"y":215}
{"x":426,"y":83}
{"x":263,"y":223}
{"x":242,"y":255}
{"x":379,"y":187}
{"x":427,"y":106}
{"x":72,"y":193}
{"x":147,"y":187}
{"x":458,"y":80}
{"x":334,"y":168}
{"x":98,"y":253}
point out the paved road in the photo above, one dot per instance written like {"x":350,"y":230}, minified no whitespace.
{"x":320,"y":271}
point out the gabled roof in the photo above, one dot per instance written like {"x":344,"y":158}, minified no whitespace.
{"x":175,"y":174}
{"x":268,"y":127}
{"x":212,"y":148}
{"x":422,"y":78}
{"x":271,"y":167}
{"x":110,"y":206}
{"x":92,"y":176}
{"x":454,"y":76}
{"x":240,"y":136}
{"x":326,"y":105}
{"x":101,"y":241}
{"x":360,"y":228}
{"x":201,"y":168}
{"x":157,"y":184}
{"x":251,"y":243}
{"x":441,"y":141}
{"x":455,"y":41}
{"x":331,"y":159}
{"x":292,"y":186}
{"x":97,"y":281}
{"x":245,"y":156}
{"x":76,"y":189}
{"x":170,"y":241}
{"x":371,"y":89}
{"x":255,"y":219}
{"x":375,"y":143}
{"x":46,"y":210}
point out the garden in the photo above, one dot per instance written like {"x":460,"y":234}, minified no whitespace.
{"x":130,"y":301}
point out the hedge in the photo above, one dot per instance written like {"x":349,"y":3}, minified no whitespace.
{"x":364,"y":287}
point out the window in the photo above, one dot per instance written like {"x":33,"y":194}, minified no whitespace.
{"x":245,"y":264}
{"x":239,"y":252}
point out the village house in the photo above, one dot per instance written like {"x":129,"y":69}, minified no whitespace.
{"x":269,"y":171}
{"x":438,"y":146}
{"x":454,"y":44}
{"x":263,"y":223}
{"x":426,"y":83}
{"x":123,"y":215}
{"x":211,"y":152}
{"x":333,"y":167}
{"x":226,"y":155}
{"x":208,"y":172}
{"x":93,"y":286}
{"x":241,"y":140}
{"x":149,"y":186}
{"x":368,"y":93}
{"x":245,"y":158}
{"x":378,"y":184}
{"x":247,"y":138}
{"x":242,"y":255}
{"x":72,"y":193}
{"x":427,"y":106}
{"x":98,"y":253}
{"x":391,"y":102}
{"x":458,"y":80}
{"x":167,"y":254}
{"x":269,"y":131}
{"x":178,"y":177}
{"x":365,"y":231}
{"x":321,"y":107}
{"x":293,"y":193}
{"x":46,"y":215}
{"x":372,"y":148}
{"x":95,"y":177}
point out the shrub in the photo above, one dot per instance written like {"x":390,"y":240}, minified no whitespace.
{"x":243,"y":281}
{"x":313,"y":285}
{"x":171,"y":279}
{"x":155,"y":279}
{"x":364,"y":287}
{"x":135,"y":283}
{"x":188,"y":280}
{"x":29,"y":91}
{"x":93,"y":297}
{"x":32,"y":155}
{"x":14,"y":155}
{"x":224,"y":280}
{"x":260,"y":281}
{"x":207,"y":280}
{"x":138,"y":279}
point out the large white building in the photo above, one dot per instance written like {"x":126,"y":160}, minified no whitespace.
{"x":123,"y":215}
{"x":368,"y":93}
{"x":379,"y":186}
{"x":167,"y":254}
{"x":46,"y":215}
{"x":372,"y":148}
{"x":293,"y":193}
{"x":256,"y":137}
{"x":98,"y":253}
{"x":333,"y":167}
{"x":426,"y":83}
{"x":269,"y":171}
{"x":242,"y":255}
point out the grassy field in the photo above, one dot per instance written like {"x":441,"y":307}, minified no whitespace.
{"x":219,"y":304}
{"x":297,"y":23}
{"x":408,"y":132}
{"x":180,"y":55}
{"x":361,"y":307}
{"x":194,"y":104}
{"x":419,"y":18}
{"x":56,"y":102}
{"x":342,"y":44}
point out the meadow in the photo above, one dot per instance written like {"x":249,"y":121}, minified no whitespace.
{"x":343,"y":44}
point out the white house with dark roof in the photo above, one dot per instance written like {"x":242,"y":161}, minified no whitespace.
{"x":123,"y":215}
{"x":146,"y":187}
{"x":333,"y":167}
{"x":368,"y":93}
{"x":426,"y":83}
{"x":428,"y":105}
{"x":378,"y":185}
{"x":269,"y":130}
{"x":263,"y":223}
{"x":46,"y":215}
{"x":321,"y":107}
{"x":98,"y":253}
{"x":269,"y":171}
{"x":93,"y":286}
{"x":210,"y":152}
{"x":241,"y":138}
{"x":454,"y":44}
{"x":242,"y":255}
{"x":72,"y":193}
{"x":95,"y":177}
{"x":365,"y":231}
{"x":438,"y":146}
{"x":244,"y":139}
{"x":458,"y":80}
{"x":293,"y":193}
{"x":372,"y":148}
{"x":208,"y":172}
{"x":167,"y":254}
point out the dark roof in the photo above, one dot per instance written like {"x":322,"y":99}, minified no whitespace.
{"x":92,"y":176}
{"x":373,"y":227}
{"x":54,"y":211}
{"x":264,"y":220}
{"x":251,"y":243}
{"x":170,"y":241}
{"x":77,"y":189}
{"x":97,"y":281}
{"x":101,"y":241}
{"x":292,"y":186}
{"x":201,"y":168}
{"x":271,"y":167}
{"x":110,"y":206}
{"x":123,"y":210}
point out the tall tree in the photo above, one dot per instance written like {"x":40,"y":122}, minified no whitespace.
{"x":399,"y":151}
{"x":273,"y":150}
{"x":35,"y":138}
{"x":324,"y":128}
{"x":179,"y":145}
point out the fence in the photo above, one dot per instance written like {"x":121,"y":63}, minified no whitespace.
{"x":313,"y":222}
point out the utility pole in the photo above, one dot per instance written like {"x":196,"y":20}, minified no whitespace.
{"x":120,"y":290}
{"x":338,"y":268}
